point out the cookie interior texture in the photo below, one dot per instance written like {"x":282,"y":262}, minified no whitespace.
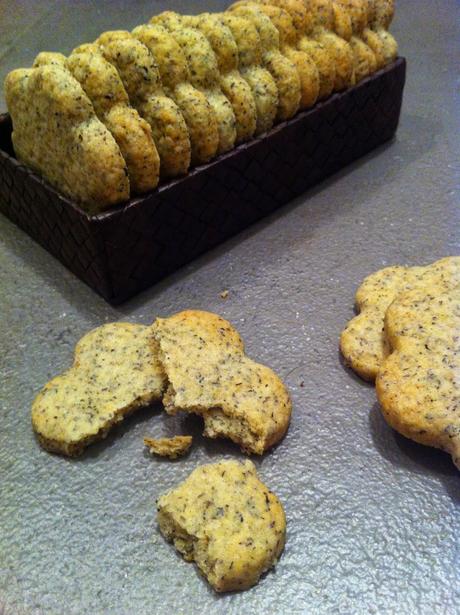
{"x":363,"y":342}
{"x":169,"y":447}
{"x":227,"y":521}
{"x":209,"y":374}
{"x":418,"y":385}
{"x":115,"y":371}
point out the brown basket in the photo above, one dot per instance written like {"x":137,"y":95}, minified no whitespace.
{"x":132,"y":246}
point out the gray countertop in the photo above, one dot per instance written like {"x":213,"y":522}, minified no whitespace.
{"x":373,"y":519}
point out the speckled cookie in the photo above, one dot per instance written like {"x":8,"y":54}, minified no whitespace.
{"x":375,"y":43}
{"x":103,"y":86}
{"x":365,"y":62}
{"x":380,"y":17}
{"x":46,"y":58}
{"x":204,"y":73}
{"x":141,"y":79}
{"x":227,"y":521}
{"x":209,"y":374}
{"x":172,"y":448}
{"x":278,"y":65}
{"x":363,"y":342}
{"x":306,"y":68}
{"x":418,"y":385}
{"x":115,"y":371}
{"x":304,"y":23}
{"x":301,"y":14}
{"x":57,"y":133}
{"x":175,"y":75}
{"x":324,"y":60}
{"x":340,"y":49}
{"x":261,"y":82}
{"x":342,"y":22}
{"x":382,"y":12}
{"x":232,"y":83}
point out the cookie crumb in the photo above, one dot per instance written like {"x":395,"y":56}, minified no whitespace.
{"x":224,"y":294}
{"x":169,"y":447}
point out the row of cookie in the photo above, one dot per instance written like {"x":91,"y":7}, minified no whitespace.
{"x":406,"y":338}
{"x":182,"y":90}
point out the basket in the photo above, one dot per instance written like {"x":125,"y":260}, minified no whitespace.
{"x":122,"y":251}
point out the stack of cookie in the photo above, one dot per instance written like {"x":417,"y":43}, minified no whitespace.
{"x":406,"y":337}
{"x":118,"y":115}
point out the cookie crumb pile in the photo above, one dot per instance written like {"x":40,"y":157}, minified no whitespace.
{"x":132,"y":108}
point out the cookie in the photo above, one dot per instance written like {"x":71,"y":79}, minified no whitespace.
{"x":382,"y":13}
{"x":363,"y":342}
{"x":380,"y":17}
{"x":278,"y":65}
{"x":53,"y":58}
{"x":340,"y":49}
{"x":261,"y":82}
{"x":322,"y":57}
{"x":175,"y":75}
{"x":204,"y":74}
{"x":365,"y":62}
{"x":324,"y":60}
{"x":357,"y":9}
{"x":209,"y":374}
{"x":342,"y":21}
{"x":301,"y":16}
{"x":115,"y":372}
{"x":227,"y":521}
{"x":103,"y":86}
{"x":141,"y":79}
{"x":169,"y":447}
{"x":57,"y":133}
{"x":232,"y":83}
{"x":375,"y":43}
{"x":306,"y":68}
{"x":418,"y":385}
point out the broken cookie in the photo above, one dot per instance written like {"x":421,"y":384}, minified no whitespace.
{"x":227,"y":521}
{"x":115,"y":371}
{"x":208,"y":374}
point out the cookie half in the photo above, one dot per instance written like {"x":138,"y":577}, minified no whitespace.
{"x":209,"y":374}
{"x":115,"y":372}
{"x":227,"y":521}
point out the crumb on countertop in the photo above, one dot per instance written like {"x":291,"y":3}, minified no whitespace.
{"x":169,"y":447}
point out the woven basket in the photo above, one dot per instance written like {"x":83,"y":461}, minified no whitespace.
{"x":132,"y":246}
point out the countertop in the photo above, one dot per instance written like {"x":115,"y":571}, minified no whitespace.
{"x":373,"y":519}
